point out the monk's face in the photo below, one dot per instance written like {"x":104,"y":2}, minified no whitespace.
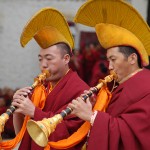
{"x":51,"y":59}
{"x":119,"y":63}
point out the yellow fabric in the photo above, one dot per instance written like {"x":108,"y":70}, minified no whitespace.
{"x":38,"y":98}
{"x":117,"y":12}
{"x":51,"y":19}
{"x":49,"y":36}
{"x":117,"y":36}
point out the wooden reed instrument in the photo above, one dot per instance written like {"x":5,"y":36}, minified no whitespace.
{"x":41,"y":130}
{"x":5,"y":116}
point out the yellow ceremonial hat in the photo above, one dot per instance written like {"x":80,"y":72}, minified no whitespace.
{"x":117,"y":24}
{"x":48,"y":27}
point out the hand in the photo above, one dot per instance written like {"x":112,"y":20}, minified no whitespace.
{"x":24,"y":91}
{"x":92,"y":98}
{"x":81,"y":109}
{"x":23,"y":103}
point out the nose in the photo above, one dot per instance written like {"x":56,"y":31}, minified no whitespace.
{"x":110,"y":66}
{"x":43,"y":64}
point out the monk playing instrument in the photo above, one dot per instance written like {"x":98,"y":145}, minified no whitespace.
{"x":51,"y":31}
{"x":125,"y":35}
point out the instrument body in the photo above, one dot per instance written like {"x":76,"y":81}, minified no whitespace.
{"x":5,"y":116}
{"x":41,"y":130}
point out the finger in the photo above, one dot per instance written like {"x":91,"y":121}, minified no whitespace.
{"x":92,"y":88}
{"x":22,"y":97}
{"x":74,"y":101}
{"x":82,"y":95}
{"x":19,"y":94}
{"x":26,"y":90}
{"x":86,"y":91}
{"x":18,"y":110}
{"x":19,"y":101}
{"x":80,"y":98}
{"x":72,"y":106}
{"x":19,"y":97}
{"x":16,"y":97}
{"x":25,"y":93}
{"x":88,"y":101}
{"x":17,"y":105}
{"x":92,"y":91}
{"x":80,"y":102}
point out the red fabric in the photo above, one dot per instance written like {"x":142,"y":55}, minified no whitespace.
{"x":126,"y":123}
{"x":90,"y":56}
{"x":102,"y":101}
{"x":98,"y":72}
{"x":65,"y":91}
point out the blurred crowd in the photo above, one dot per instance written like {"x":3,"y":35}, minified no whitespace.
{"x":6,"y":95}
{"x":90,"y":62}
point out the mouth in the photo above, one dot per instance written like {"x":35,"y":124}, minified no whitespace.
{"x":114,"y":73}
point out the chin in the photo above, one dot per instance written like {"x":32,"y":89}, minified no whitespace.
{"x":48,"y":79}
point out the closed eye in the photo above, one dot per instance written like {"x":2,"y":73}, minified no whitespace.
{"x":40,"y":59}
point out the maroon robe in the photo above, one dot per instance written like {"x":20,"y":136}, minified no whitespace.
{"x":70,"y":87}
{"x":126,"y":124}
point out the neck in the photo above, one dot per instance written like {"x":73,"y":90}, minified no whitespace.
{"x":54,"y":83}
{"x":130,"y":75}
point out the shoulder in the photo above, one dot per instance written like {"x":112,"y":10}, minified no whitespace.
{"x":139,"y":85}
{"x":142,"y":79}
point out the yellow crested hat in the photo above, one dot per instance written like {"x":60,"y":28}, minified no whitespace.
{"x":48,"y":27}
{"x":117,"y":24}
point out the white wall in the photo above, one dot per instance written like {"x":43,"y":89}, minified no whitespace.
{"x":18,"y":66}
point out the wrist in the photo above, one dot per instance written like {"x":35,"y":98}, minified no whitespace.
{"x":32,"y":113}
{"x":89,"y":115}
{"x":92,"y":119}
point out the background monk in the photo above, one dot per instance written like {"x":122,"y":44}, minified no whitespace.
{"x":121,"y":30}
{"x":52,"y":33}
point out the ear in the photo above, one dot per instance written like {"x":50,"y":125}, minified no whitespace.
{"x":132,"y":58}
{"x":66,"y":58}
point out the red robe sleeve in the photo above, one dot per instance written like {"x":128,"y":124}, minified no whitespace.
{"x":128,"y":130}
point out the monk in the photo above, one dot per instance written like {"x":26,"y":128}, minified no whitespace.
{"x":61,"y":87}
{"x":125,"y":125}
